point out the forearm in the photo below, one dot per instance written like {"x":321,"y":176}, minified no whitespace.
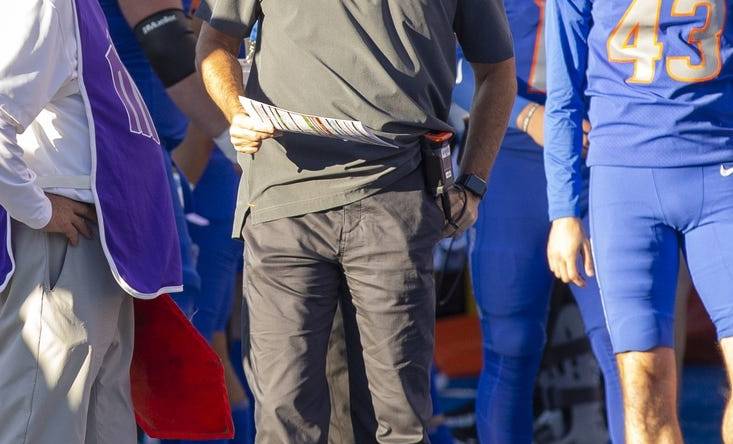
{"x":520,"y":106}
{"x":192,"y":155}
{"x":19,"y":195}
{"x":191,"y":98}
{"x":495,"y":92}
{"x":220,"y":70}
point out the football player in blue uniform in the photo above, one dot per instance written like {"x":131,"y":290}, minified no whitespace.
{"x":656,"y":79}
{"x":511,"y":277}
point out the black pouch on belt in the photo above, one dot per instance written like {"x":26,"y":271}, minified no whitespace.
{"x":438,"y":167}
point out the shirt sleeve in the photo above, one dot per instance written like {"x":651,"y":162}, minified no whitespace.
{"x":483,"y":31}
{"x":233,"y":17}
{"x":33,"y":60}
{"x":568,"y":23}
{"x":19,"y":194}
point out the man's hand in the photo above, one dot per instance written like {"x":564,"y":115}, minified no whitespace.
{"x":70,"y":218}
{"x":464,"y":209}
{"x":567,"y":240}
{"x":586,"y":138}
{"x":248,"y":133}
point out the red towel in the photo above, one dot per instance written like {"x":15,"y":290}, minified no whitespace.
{"x":178,"y":387}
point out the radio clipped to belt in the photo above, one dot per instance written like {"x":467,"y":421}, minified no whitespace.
{"x":438,"y":169}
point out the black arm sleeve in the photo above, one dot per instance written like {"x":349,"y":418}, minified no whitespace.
{"x":168,"y":41}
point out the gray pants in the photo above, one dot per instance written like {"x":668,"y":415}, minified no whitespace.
{"x":66,"y":340}
{"x":380,"y":250}
{"x":337,"y":372}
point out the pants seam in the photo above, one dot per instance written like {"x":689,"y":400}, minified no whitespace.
{"x":35,"y":377}
{"x":702,"y":198}
{"x":665,"y":219}
{"x":593,"y":229}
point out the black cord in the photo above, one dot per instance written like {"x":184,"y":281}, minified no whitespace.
{"x":454,"y":286}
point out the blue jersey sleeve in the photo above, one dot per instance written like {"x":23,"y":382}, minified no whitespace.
{"x":568,"y":24}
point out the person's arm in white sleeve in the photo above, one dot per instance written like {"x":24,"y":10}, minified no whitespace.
{"x":35,"y":61}
{"x":33,"y":65}
{"x":19,"y":195}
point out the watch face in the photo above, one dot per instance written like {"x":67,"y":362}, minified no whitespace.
{"x":474,"y":184}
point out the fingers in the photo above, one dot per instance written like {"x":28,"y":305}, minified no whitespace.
{"x":86,"y":211}
{"x":565,"y":244}
{"x":247,"y":133}
{"x":74,"y":223}
{"x":72,"y":234}
{"x":243,"y":121}
{"x":81,"y":227}
{"x":573,"y":275}
{"x":586,"y":126}
{"x":586,"y":135}
{"x":588,"y":259}
{"x":566,"y":270}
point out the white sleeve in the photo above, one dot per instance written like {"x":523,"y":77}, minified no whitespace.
{"x":19,"y":194}
{"x":34,"y":59}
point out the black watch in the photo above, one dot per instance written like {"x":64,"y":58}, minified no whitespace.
{"x":474,"y":184}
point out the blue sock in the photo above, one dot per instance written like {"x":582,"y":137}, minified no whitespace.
{"x":601,"y":343}
{"x":504,"y":399}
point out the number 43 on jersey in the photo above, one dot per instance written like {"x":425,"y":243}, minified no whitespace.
{"x":635,"y":39}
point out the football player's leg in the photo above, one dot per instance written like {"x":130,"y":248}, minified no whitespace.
{"x":512,"y":287}
{"x":635,"y":255}
{"x":709,"y":250}
{"x":591,"y":309}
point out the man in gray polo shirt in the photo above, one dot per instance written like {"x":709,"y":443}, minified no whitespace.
{"x":317,"y":212}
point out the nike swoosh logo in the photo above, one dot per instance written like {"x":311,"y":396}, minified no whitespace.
{"x":725,"y":172}
{"x":459,"y":72}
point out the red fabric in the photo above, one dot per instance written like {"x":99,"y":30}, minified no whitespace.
{"x":458,"y":350}
{"x":178,"y":387}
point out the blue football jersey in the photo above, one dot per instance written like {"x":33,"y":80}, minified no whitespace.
{"x":658,"y":75}
{"x":526,"y":20}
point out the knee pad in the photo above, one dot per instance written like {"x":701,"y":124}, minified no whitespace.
{"x":169,"y":44}
{"x":515,"y":335}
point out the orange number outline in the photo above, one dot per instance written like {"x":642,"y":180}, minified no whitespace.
{"x":539,"y":44}
{"x":693,"y":40}
{"x":635,"y":32}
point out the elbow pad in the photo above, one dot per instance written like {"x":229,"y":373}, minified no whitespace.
{"x":169,"y":44}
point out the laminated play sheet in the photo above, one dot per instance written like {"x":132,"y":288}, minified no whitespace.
{"x":292,"y":122}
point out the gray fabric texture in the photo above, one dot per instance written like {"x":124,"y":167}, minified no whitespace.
{"x":381,"y":247}
{"x":388,"y":63}
{"x":66,"y":342}
{"x":340,"y":429}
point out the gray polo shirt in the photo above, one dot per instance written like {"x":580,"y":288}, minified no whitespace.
{"x":388,"y":63}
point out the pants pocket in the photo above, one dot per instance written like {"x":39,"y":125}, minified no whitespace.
{"x":57,"y":250}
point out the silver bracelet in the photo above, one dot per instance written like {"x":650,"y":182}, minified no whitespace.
{"x":528,"y":116}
